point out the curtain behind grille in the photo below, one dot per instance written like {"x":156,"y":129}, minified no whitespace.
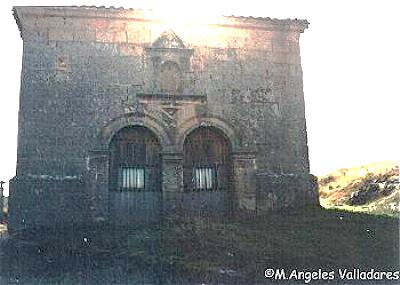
{"x":204,"y":177}
{"x":131,"y":178}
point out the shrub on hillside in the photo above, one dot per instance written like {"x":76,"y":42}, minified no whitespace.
{"x":326,"y":180}
{"x":373,"y":186}
{"x":367,"y":192}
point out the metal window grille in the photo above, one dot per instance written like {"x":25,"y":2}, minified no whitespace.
{"x":204,"y":178}
{"x":131,"y":178}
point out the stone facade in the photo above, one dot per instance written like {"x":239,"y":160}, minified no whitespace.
{"x":90,"y":72}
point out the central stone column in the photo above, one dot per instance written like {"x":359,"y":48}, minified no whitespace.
{"x":172,"y":172}
{"x":172,"y":183}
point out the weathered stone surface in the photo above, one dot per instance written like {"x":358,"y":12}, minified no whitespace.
{"x":89,"y":72}
{"x":45,"y":201}
{"x":285,"y":191}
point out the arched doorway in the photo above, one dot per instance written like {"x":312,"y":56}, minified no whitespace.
{"x":135,"y":160}
{"x":207,"y":161}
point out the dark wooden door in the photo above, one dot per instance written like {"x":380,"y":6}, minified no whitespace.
{"x":207,"y":160}
{"x":135,"y":162}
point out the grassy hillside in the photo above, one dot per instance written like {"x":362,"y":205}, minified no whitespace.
{"x":372,"y":188}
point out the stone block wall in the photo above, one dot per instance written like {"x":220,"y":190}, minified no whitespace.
{"x":278,"y":192}
{"x":82,"y":67}
{"x":88,"y":72}
{"x":48,"y":202}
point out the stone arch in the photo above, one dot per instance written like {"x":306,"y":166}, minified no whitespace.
{"x":219,"y":124}
{"x":207,"y":160}
{"x":135,"y":160}
{"x":131,"y":120}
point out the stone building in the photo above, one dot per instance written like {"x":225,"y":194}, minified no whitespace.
{"x":127,"y":117}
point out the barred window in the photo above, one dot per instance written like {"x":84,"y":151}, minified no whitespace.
{"x":131,"y":178}
{"x":204,"y":178}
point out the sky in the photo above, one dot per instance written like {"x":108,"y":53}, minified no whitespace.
{"x":350,"y":59}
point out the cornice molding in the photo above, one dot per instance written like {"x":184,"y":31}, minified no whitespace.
{"x":264,"y":23}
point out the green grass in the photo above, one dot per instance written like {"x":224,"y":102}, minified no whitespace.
{"x":311,"y":239}
{"x":201,"y":249}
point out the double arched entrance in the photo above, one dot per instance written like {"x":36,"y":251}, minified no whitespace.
{"x":136,"y":162}
{"x":147,"y":171}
